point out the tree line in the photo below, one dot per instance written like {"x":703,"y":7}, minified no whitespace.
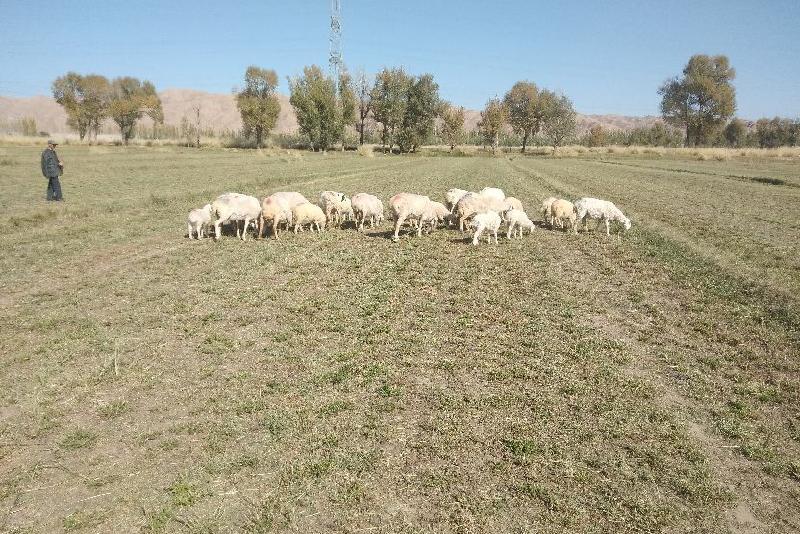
{"x":697,"y":108}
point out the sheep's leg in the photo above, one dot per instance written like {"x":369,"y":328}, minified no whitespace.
{"x":295,"y":227}
{"x":510,"y":230}
{"x":260,"y":227}
{"x":607,"y":227}
{"x":217,"y":229}
{"x":401,"y":217}
{"x":477,"y":237}
{"x":495,"y":236}
{"x":275,"y":228}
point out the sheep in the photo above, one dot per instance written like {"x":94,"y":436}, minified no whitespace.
{"x":492,"y":193}
{"x":562,"y":210}
{"x":489,"y":221}
{"x":198,"y":220}
{"x":512,"y":203}
{"x":336,"y":205}
{"x":518,"y":218}
{"x":602,"y":210}
{"x":453,"y":196}
{"x":366,"y":206}
{"x":473,"y":203}
{"x":546,"y":210}
{"x":405,"y":206}
{"x":234,"y":207}
{"x":435,"y":212}
{"x":275,"y":209}
{"x":292,"y":198}
{"x":310,"y":214}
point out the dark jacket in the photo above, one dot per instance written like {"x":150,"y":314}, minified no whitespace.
{"x":50,"y":166}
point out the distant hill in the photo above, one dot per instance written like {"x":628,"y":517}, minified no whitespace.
{"x":218,"y":111}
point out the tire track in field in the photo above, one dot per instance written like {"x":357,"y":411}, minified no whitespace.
{"x":759,"y":180}
{"x":615,"y":323}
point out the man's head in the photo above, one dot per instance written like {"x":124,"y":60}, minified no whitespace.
{"x":51,"y":143}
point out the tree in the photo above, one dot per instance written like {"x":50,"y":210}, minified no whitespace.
{"x":452,"y":125}
{"x":85,"y":100}
{"x":596,"y":136}
{"x":493,"y":118}
{"x":389,"y":101}
{"x":313,"y":96}
{"x":364,"y":104}
{"x":703,"y":100}
{"x":258,"y":104}
{"x":736,"y":133}
{"x":130,"y":100}
{"x":559,"y":118}
{"x":347,"y":102}
{"x":525,"y":111}
{"x":422,"y":108}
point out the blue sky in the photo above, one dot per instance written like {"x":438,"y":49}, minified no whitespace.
{"x":609,"y":57}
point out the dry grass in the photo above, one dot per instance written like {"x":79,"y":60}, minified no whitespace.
{"x":345,"y":383}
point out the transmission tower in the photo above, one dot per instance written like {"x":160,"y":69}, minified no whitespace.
{"x":335,"y":60}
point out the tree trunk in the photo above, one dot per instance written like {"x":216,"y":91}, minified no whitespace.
{"x":361,"y":132}
{"x":524,"y":141}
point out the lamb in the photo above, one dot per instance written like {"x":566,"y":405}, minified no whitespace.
{"x":489,"y":221}
{"x":453,"y":196}
{"x":546,"y":210}
{"x":434,"y":213}
{"x":199,"y":219}
{"x":234,"y":207}
{"x":366,"y":206}
{"x":562,"y":211}
{"x":335,"y":204}
{"x":310,"y":214}
{"x":492,"y":193}
{"x":406,"y":206}
{"x":518,"y":218}
{"x":275,"y":209}
{"x":601,"y":210}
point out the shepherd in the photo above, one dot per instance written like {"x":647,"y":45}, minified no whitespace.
{"x":52,"y":168}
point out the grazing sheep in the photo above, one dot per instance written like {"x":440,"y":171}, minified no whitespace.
{"x":199,"y":220}
{"x":453,"y":196}
{"x":493,"y":193}
{"x":310,"y":214}
{"x":366,"y":206}
{"x":546,"y":210}
{"x":563,"y":211}
{"x":519,"y":219}
{"x":292,"y":198}
{"x":601,"y":210}
{"x":513,"y":203}
{"x":234,"y":207}
{"x":276,"y":210}
{"x":407,"y":206}
{"x":489,"y":221}
{"x":473,"y":203}
{"x":336,"y":206}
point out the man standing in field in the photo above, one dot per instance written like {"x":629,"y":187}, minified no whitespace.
{"x":52,"y":168}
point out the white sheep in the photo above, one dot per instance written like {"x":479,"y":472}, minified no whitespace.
{"x":513,"y":203}
{"x":453,"y":196}
{"x":493,"y":193}
{"x":407,"y":206}
{"x":336,"y":205}
{"x":234,"y":207}
{"x":310,"y":214}
{"x":199,"y":219}
{"x":274,"y":209}
{"x":519,"y":219}
{"x":366,"y":206}
{"x":293,"y":198}
{"x":473,"y":203}
{"x":563,"y":212}
{"x":601,"y":210}
{"x":490,"y":222}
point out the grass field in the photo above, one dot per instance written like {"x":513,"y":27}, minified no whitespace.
{"x":342,"y":382}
